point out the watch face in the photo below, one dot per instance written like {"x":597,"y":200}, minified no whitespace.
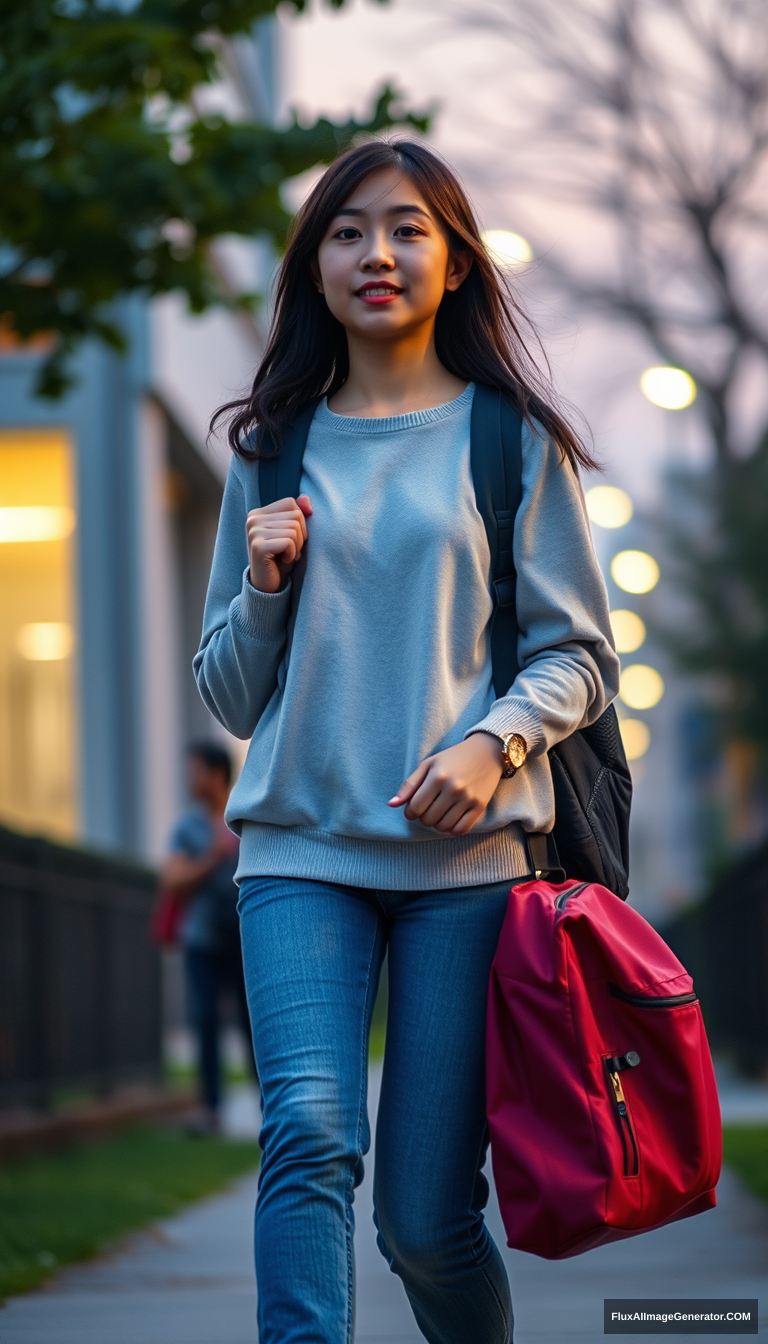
{"x":516,"y":750}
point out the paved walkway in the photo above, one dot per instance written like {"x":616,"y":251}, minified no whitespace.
{"x":190,"y":1279}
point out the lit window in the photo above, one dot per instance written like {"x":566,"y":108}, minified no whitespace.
{"x":40,"y":522}
{"x":641,"y":686}
{"x":634,"y":571}
{"x":45,"y":641}
{"x":628,"y":631}
{"x":608,"y":506}
{"x":38,"y":718}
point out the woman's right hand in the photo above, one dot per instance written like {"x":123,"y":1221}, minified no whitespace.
{"x":276,"y":536}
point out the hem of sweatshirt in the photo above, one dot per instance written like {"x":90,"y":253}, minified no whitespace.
{"x":387,"y":865}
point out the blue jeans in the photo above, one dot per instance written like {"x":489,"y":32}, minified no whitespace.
{"x":312,"y":953}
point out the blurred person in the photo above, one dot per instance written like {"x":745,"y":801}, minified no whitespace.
{"x":201,"y":867}
{"x":387,"y":790}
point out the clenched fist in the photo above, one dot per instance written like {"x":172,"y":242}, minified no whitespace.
{"x":276,"y":536}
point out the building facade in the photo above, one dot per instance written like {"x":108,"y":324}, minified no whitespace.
{"x":109,"y":500}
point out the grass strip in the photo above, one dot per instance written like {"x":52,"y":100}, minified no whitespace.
{"x":745,"y":1148}
{"x":67,"y":1207}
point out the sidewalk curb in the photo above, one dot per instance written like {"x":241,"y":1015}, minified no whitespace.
{"x":29,"y":1134}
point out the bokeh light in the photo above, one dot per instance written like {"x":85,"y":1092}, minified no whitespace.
{"x":634,"y":571}
{"x":673,"y":389}
{"x":641,"y":686}
{"x":45,"y":641}
{"x":608,"y":506}
{"x":628,"y":631}
{"x":506,"y":248}
{"x":636,"y":737}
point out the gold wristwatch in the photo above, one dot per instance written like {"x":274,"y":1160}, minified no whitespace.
{"x":514,"y":750}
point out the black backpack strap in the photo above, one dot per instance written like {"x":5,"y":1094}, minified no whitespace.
{"x":496,"y":456}
{"x":543,"y":856}
{"x":280,"y":473}
{"x":497,"y":473}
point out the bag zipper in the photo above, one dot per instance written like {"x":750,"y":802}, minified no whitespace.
{"x":626,"y":1128}
{"x":566,"y":895}
{"x":653,"y":1001}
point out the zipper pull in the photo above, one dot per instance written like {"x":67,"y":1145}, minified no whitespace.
{"x":618,"y":1091}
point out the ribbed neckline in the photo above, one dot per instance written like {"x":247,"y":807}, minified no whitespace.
{"x":388,"y":424}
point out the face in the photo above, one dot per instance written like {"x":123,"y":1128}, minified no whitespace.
{"x":385,"y":263}
{"x":203,"y":782}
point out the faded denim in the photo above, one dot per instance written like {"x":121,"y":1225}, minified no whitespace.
{"x":313,"y":953}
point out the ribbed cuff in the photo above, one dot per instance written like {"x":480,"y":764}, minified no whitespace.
{"x":261,"y":616}
{"x":513,"y":714}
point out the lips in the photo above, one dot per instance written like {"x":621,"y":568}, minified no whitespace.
{"x":380,"y":292}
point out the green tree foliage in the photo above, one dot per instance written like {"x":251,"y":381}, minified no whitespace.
{"x":115,"y":178}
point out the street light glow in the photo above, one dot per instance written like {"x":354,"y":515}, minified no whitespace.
{"x":608,"y":506}
{"x":634,"y":571}
{"x":672,"y":389}
{"x":507,"y":249}
{"x":636,"y":737}
{"x":628,"y":631}
{"x":641,"y":686}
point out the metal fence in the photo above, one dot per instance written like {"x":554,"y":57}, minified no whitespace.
{"x":723,"y":942}
{"x":80,"y":989}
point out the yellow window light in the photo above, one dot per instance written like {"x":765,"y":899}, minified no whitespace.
{"x":40,"y":522}
{"x":636,"y":737}
{"x":672,"y":389}
{"x":641,"y":686}
{"x":634,"y":571}
{"x":45,"y":641}
{"x":39,"y":700}
{"x":507,"y":249}
{"x":628,"y":631}
{"x":608,"y":506}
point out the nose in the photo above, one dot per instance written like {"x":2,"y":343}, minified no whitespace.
{"x":378,"y":257}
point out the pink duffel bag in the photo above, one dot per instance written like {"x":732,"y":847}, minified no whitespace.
{"x":601,"y":1096}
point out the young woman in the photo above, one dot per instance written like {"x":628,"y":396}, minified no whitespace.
{"x":379,"y":806}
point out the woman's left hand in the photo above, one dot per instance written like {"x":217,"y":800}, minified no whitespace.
{"x":451,"y":790}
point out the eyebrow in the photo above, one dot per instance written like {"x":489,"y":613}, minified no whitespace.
{"x":394,"y":210}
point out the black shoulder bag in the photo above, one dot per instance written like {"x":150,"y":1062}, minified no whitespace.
{"x":592,"y":783}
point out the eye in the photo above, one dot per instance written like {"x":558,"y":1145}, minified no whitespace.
{"x":408,"y":231}
{"x":348,"y":233}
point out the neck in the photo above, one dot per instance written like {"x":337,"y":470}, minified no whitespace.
{"x":394,"y":377}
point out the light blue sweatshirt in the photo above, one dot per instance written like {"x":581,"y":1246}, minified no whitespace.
{"x":386,"y":658}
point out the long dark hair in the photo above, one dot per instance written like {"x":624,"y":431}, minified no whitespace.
{"x":477,"y":330}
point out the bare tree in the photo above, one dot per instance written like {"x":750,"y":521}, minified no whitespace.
{"x":653,"y":116}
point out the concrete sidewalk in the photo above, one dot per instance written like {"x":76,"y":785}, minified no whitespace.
{"x":190,"y":1279}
